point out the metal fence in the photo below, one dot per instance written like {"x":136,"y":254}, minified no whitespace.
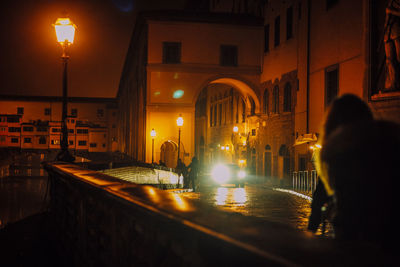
{"x":305,"y":181}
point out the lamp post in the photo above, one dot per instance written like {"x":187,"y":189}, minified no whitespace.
{"x":153,"y":135}
{"x":179,"y":122}
{"x":65,"y":31}
{"x":233,"y":139}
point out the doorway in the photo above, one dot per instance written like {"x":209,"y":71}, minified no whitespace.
{"x":169,"y":154}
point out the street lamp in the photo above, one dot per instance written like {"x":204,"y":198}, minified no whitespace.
{"x":153,"y":135}
{"x":65,"y":31}
{"x":179,"y":122}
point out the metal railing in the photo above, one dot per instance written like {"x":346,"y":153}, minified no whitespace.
{"x":305,"y":181}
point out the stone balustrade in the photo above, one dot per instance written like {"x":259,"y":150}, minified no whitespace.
{"x":105,"y":221}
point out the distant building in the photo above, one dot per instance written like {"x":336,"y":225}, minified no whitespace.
{"x":35,"y":123}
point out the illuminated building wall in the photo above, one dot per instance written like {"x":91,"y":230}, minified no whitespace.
{"x":288,"y":69}
{"x":184,"y":55}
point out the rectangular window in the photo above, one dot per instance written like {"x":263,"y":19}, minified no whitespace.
{"x":331,"y":84}
{"x":27,"y":129}
{"x":14,"y":140}
{"x":47,"y":111}
{"x":277,"y":37}
{"x":93,"y":144}
{"x":20,"y":111}
{"x":266,"y":38}
{"x":330,"y":3}
{"x":14,"y":129}
{"x":41,"y":129}
{"x":228,"y":55}
{"x":13,"y":119}
{"x":100,"y":113}
{"x":81,"y":143}
{"x":82,"y":131}
{"x":42,"y":140}
{"x":55,"y":142}
{"x":289,"y":23}
{"x":171,"y":52}
{"x":2,"y":138}
{"x":70,"y":142}
{"x":71,"y":131}
{"x":27,"y":140}
{"x":299,"y":11}
{"x":74,"y":112}
{"x":56,"y":130}
{"x":253,"y":132}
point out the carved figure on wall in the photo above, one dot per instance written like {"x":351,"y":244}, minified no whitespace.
{"x":392,"y":45}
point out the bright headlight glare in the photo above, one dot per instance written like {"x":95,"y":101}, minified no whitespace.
{"x":220,"y":174}
{"x":241,"y":174}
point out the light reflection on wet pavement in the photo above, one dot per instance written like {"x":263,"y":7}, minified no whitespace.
{"x":259,"y":201}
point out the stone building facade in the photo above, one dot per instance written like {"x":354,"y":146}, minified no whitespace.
{"x":274,"y":88}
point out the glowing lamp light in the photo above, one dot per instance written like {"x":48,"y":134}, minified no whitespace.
{"x":65,"y":30}
{"x":179,"y":120}
{"x":178,"y":94}
{"x":235,"y":129}
{"x":222,"y":147}
{"x":221,"y":174}
{"x":153,"y":133}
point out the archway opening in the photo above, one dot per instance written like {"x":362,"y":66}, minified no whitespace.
{"x":219,"y":109}
{"x":169,"y":154}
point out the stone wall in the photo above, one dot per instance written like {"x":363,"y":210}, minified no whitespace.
{"x":104,"y":221}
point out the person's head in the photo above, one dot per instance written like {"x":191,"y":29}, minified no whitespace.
{"x":345,"y":110}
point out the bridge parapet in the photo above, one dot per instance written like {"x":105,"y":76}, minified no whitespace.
{"x":102,"y":220}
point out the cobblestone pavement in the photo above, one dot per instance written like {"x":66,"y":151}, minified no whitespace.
{"x":259,"y":201}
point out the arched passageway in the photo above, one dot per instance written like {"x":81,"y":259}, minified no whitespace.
{"x":169,"y":154}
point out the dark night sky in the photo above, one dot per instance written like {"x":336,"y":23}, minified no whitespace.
{"x":30,"y":61}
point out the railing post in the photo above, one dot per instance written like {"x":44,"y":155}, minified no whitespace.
{"x":305,"y":181}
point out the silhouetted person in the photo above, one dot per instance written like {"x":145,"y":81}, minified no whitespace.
{"x":361,"y":162}
{"x":181,"y":169}
{"x":193,"y":172}
{"x":344,"y":110}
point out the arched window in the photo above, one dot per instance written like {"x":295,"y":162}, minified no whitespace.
{"x":266,"y":102}
{"x":283,"y":151}
{"x":267,"y":147}
{"x":252,"y":107}
{"x":215,"y":114}
{"x":243,"y":110}
{"x":276,"y":99}
{"x":211,"y":115}
{"x":287,"y":99}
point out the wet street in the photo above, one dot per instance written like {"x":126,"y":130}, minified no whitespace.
{"x":259,"y":201}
